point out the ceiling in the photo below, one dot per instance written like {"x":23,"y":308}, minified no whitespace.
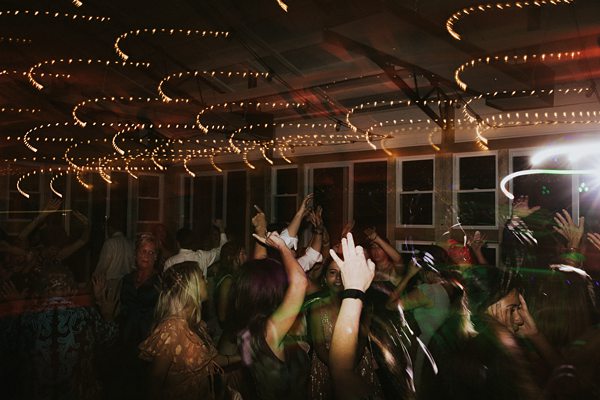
{"x":248,"y":79}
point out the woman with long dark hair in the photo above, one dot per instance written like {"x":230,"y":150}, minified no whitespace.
{"x":268,"y":297}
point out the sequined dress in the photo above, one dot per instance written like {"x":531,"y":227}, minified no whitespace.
{"x":192,"y":355}
{"x":320,"y":386}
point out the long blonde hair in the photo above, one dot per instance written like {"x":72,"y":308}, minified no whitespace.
{"x":182,"y":291}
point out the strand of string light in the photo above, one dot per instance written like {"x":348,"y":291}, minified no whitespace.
{"x":39,"y":86}
{"x":42,"y":74}
{"x":168,"y":31}
{"x":77,"y":3}
{"x":114,"y":99}
{"x":283,"y":6}
{"x":19,"y":110}
{"x":228,"y":106}
{"x":12,"y":40}
{"x":26,"y":139}
{"x":33,"y":173}
{"x":53,"y":14}
{"x":511,"y":59}
{"x":506,"y":5}
{"x":52,"y":188}
{"x":207,"y":74}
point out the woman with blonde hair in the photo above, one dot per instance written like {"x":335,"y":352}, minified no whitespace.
{"x":184,"y":360}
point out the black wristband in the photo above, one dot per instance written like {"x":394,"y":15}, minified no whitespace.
{"x":353,"y":294}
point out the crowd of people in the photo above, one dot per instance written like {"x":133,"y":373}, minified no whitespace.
{"x":347,"y":316}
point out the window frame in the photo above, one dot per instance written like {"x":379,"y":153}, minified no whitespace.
{"x":575,"y":181}
{"x":309,"y":181}
{"x":400,"y":192}
{"x":161,"y":189}
{"x":456,"y":157}
{"x":274,"y":194}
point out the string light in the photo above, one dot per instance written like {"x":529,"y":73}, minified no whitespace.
{"x":193,"y":175}
{"x":211,"y":74}
{"x":82,"y":182}
{"x":508,"y":59}
{"x":53,"y":14}
{"x":77,"y":3}
{"x":258,"y":105}
{"x":52,"y":186}
{"x":115,"y":99}
{"x":287,"y":160}
{"x":19,"y":110}
{"x":283,"y":6}
{"x":212,"y":162}
{"x":245,"y":159}
{"x":39,"y":86}
{"x":264,"y":154}
{"x":12,"y":40}
{"x":482,"y":8}
{"x":170,"y":32}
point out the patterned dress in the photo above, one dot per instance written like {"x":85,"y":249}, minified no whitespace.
{"x":192,"y":369}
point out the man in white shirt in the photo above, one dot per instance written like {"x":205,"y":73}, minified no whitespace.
{"x":204,"y":258}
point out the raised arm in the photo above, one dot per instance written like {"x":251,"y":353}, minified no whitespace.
{"x":259,"y":221}
{"x":67,"y":251}
{"x":385,"y":246}
{"x":281,"y":321}
{"x":294,"y":225}
{"x":398,"y":292}
{"x":357,"y":275}
{"x":572,"y":232}
{"x":51,"y":206}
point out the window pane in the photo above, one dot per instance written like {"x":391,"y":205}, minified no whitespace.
{"x":330,"y":192}
{"x":149,"y":210}
{"x":417,"y":209}
{"x":477,"y":209}
{"x":589,"y":202}
{"x":219,"y":197}
{"x":417,"y":175}
{"x":236,"y":203}
{"x":203,"y":203}
{"x":287,"y":181}
{"x":285,"y":208}
{"x":477,"y":172}
{"x":148,"y":186}
{"x":370,"y":197}
{"x":551,"y":192}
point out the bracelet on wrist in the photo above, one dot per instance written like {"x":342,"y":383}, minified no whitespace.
{"x":353,"y":294}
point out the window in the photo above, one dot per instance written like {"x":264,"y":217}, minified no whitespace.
{"x":350,"y":191}
{"x":577,"y":194}
{"x":285,"y":193}
{"x":149,"y":198}
{"x":475,"y":181}
{"x":207,"y":197}
{"x":415,"y":182}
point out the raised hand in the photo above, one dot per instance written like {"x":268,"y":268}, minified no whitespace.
{"x":594,"y":238}
{"x":259,"y":221}
{"x":316,"y":217}
{"x":357,"y":271}
{"x":272,"y":240}
{"x":348,"y":228}
{"x":568,"y":229}
{"x":306,"y":202}
{"x":218,"y":223}
{"x":477,"y":241}
{"x":8,"y":291}
{"x":529,"y":328}
{"x":502,"y":315}
{"x":521,"y":207}
{"x":371,"y":233}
